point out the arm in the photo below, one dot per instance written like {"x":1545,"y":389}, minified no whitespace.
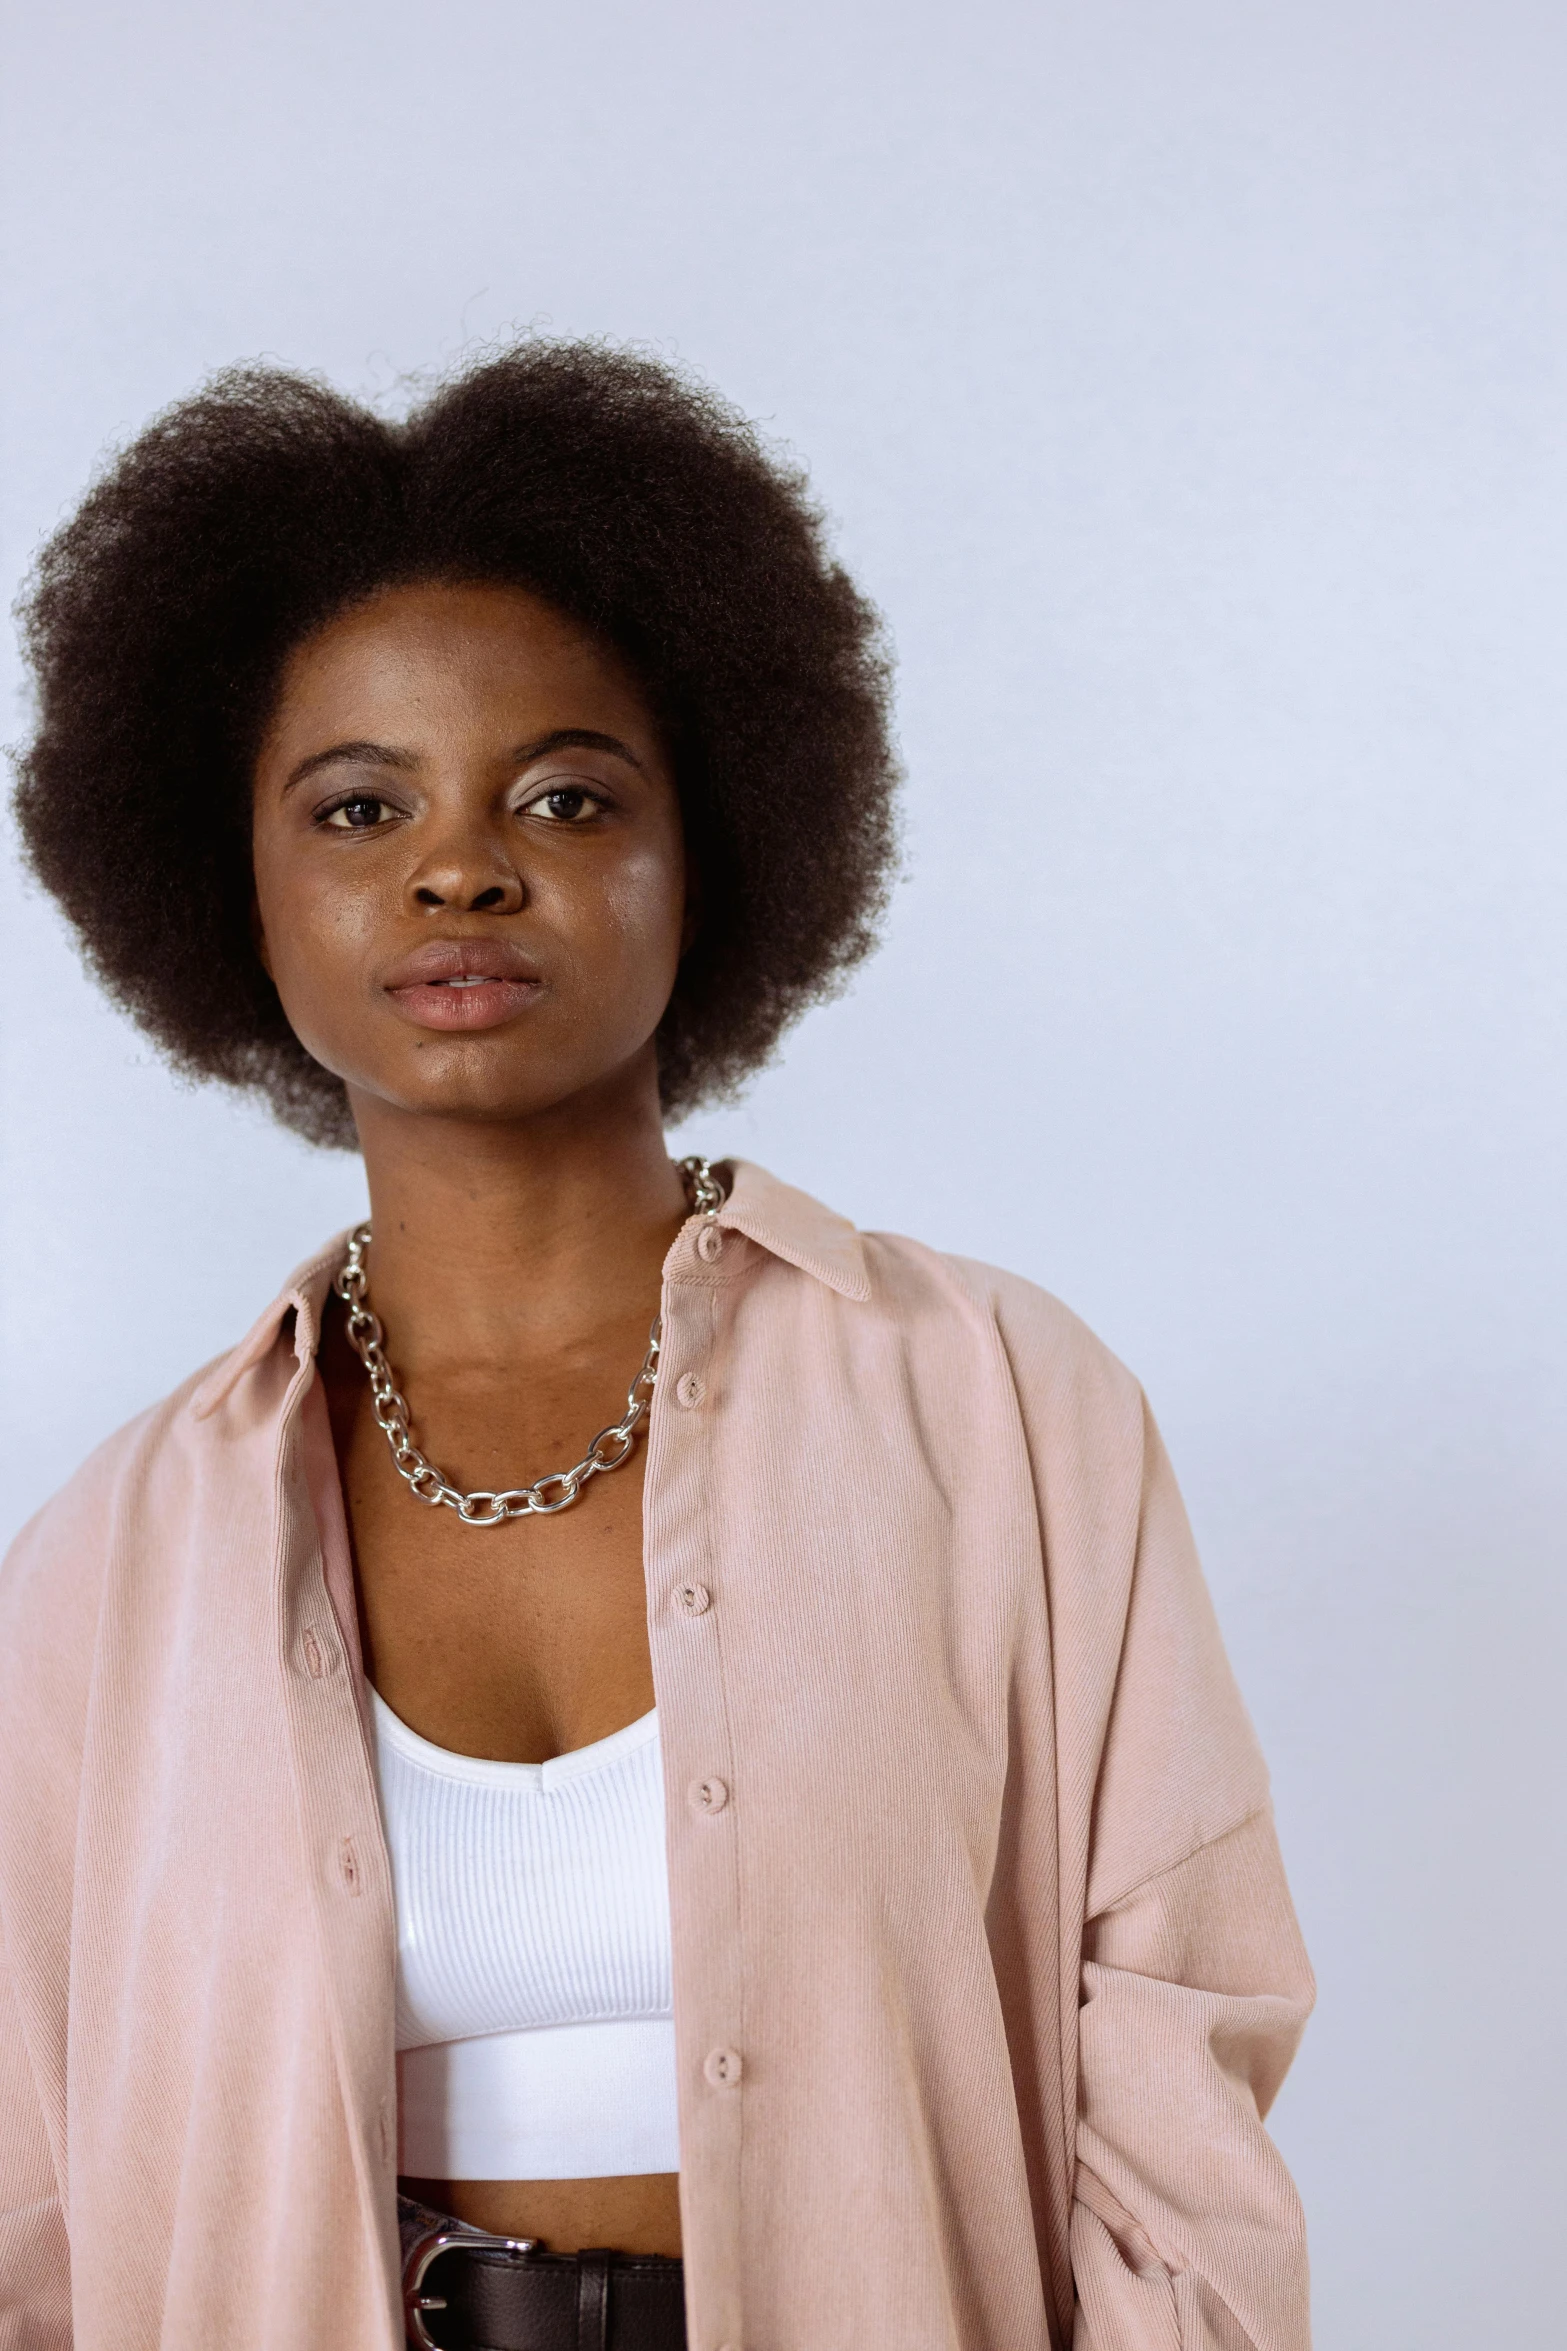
{"x":1186,"y":2230}
{"x":1150,"y":1969}
{"x":35,"y":2258}
{"x":50,"y":1583}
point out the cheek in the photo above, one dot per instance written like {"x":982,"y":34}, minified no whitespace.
{"x":615,"y":946}
{"x":644,"y":909}
{"x":315,"y":923}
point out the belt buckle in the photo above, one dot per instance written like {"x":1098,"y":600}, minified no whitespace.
{"x":455,"y":2236}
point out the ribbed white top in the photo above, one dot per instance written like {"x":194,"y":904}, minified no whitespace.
{"x":534,"y":2008}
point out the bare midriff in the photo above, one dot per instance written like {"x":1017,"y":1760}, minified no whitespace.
{"x":631,"y":2215}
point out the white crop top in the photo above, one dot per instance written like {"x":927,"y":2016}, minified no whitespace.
{"x":535,"y":2026}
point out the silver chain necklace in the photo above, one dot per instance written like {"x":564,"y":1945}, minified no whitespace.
{"x":546,"y":1495}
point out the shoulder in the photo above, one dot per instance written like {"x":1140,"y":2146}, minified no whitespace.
{"x":973,"y":1328}
{"x":1056,"y":1362}
{"x":53,"y":1582}
{"x":187,"y":1455}
{"x":52,"y":1571}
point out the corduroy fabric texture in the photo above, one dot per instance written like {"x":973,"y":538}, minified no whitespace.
{"x":984,"y":1974}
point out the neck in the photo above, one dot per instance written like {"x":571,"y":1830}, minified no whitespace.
{"x":494,"y":1243}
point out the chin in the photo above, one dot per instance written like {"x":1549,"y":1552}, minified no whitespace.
{"x":492,"y":1079}
{"x":489,"y":1097}
{"x":483,"y":1105}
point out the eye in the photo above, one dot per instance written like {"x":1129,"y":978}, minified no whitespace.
{"x":564,"y":804}
{"x":360,"y":812}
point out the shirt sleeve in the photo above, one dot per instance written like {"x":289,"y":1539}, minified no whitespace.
{"x":1176,"y":1940}
{"x":1187,"y":2233}
{"x":35,"y":2261}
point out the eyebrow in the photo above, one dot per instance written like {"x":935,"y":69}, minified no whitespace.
{"x":351,"y":755}
{"x":366,"y":754}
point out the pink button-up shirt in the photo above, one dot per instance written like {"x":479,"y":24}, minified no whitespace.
{"x":985,"y":1973}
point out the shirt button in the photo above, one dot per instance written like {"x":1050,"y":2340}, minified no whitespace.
{"x":709,"y":1244}
{"x":695,"y":1599}
{"x":723,"y":2068}
{"x":708,"y":1795}
{"x":319,"y":1659}
{"x":690,"y":1388}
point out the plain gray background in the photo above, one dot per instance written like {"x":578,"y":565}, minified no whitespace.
{"x":1187,"y":384}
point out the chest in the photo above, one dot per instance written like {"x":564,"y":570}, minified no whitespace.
{"x":516,"y":1642}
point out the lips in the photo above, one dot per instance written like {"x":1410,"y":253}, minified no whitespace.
{"x":462,"y":984}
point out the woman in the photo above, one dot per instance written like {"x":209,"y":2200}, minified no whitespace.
{"x":830,"y":1848}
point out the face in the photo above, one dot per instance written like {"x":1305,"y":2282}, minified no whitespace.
{"x":469,"y":865}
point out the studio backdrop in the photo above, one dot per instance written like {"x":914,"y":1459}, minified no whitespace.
{"x":1188,"y":385}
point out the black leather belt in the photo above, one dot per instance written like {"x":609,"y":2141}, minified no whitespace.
{"x":464,"y":2290}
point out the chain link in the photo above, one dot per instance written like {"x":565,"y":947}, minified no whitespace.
{"x":561,"y":1487}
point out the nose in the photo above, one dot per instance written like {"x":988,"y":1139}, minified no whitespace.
{"x":470,"y":873}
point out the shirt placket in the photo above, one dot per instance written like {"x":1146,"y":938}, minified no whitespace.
{"x":688,"y":1578}
{"x":344,"y":1843}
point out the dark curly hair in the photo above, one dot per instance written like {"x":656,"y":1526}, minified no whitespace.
{"x":631,"y":498}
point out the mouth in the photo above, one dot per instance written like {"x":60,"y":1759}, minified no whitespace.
{"x":462,"y":984}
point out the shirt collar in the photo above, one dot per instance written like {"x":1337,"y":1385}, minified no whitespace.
{"x":304,"y":1296}
{"x":796,"y":1228}
{"x":788,"y":1223}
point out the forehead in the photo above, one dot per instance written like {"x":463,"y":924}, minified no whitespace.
{"x":438,"y":653}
